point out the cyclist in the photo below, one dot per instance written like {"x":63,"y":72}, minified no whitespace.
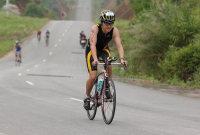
{"x":39,"y":35}
{"x":17,"y":49}
{"x":63,"y":14}
{"x":100,"y":35}
{"x":47,"y":35}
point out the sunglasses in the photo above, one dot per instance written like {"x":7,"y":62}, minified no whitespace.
{"x":107,"y":24}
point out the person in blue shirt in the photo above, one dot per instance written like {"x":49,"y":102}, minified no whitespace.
{"x":18,"y":49}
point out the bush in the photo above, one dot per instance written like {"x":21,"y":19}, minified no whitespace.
{"x":182,"y":62}
{"x":140,"y":5}
{"x":35,"y":10}
{"x":155,"y":30}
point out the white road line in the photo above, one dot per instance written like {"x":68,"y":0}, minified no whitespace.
{"x":63,"y":34}
{"x":59,"y":39}
{"x":44,"y":60}
{"x":28,"y":70}
{"x":19,"y":74}
{"x":50,"y":53}
{"x":29,"y":83}
{"x":36,"y":66}
{"x":55,"y":45}
{"x":76,"y":99}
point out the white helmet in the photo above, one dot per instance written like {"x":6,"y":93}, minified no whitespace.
{"x":16,"y":41}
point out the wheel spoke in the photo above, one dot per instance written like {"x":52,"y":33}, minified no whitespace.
{"x":109,"y":104}
{"x":93,"y":106}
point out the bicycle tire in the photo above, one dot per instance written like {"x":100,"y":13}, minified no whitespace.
{"x":17,"y":61}
{"x":93,"y":104}
{"x":104,"y":107}
{"x":46,"y":43}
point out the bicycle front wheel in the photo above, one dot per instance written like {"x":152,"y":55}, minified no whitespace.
{"x":108,"y":104}
{"x":93,"y":102}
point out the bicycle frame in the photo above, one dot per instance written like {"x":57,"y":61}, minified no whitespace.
{"x":105,"y":72}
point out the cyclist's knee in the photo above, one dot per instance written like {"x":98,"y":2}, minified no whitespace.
{"x":93,"y":75}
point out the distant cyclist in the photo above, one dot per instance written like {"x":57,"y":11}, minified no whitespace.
{"x":17,"y":49}
{"x":47,"y":36}
{"x":63,"y":14}
{"x":39,"y":35}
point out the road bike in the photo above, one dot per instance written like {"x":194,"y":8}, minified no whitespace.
{"x":47,"y":41}
{"x":39,"y":38}
{"x":17,"y":60}
{"x":106,"y":97}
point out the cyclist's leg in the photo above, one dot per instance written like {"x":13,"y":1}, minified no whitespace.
{"x":91,"y":69}
{"x":90,"y":82}
{"x":16,"y":54}
{"x":20,"y":55}
{"x":104,"y":54}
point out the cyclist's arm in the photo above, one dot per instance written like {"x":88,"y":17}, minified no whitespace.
{"x":20,"y":47}
{"x":118,"y":43}
{"x":93,"y":41}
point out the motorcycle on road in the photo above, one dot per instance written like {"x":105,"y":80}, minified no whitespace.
{"x":83,"y":42}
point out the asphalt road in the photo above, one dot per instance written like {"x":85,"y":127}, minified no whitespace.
{"x":43,"y":96}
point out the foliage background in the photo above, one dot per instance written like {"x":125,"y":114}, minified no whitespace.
{"x":162,"y":42}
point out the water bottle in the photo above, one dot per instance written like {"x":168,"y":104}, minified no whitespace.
{"x":100,"y":83}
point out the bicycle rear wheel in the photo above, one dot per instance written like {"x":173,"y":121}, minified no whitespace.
{"x":93,"y":102}
{"x":47,"y":41}
{"x":108,"y":105}
{"x":17,"y":61}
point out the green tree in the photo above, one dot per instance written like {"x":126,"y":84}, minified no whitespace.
{"x":140,"y":5}
{"x":35,"y":10}
{"x":3,"y":2}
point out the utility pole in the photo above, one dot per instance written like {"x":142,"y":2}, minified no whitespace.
{"x":7,"y":8}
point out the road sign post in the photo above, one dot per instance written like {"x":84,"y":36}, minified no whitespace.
{"x":7,"y":8}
